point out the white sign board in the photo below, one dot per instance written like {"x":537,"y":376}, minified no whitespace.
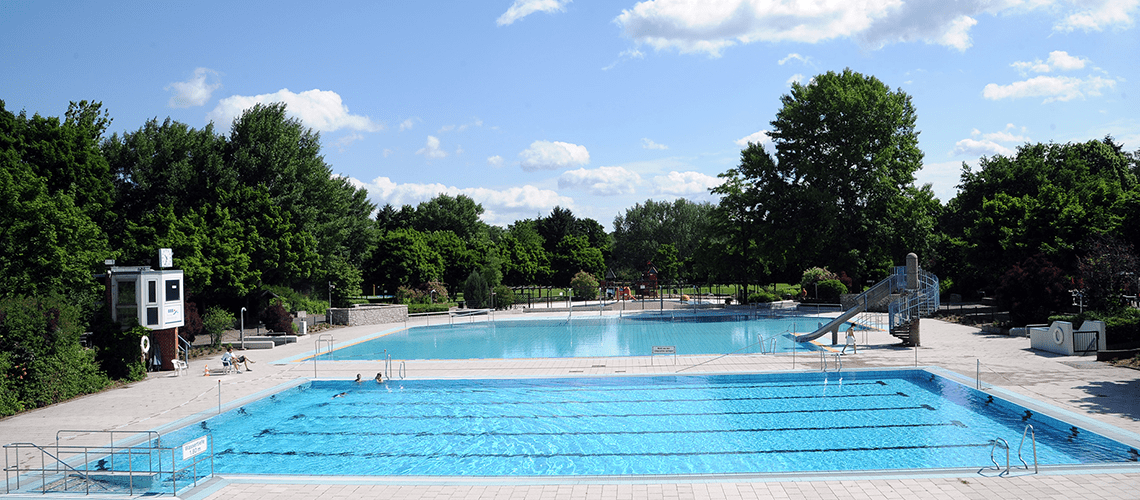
{"x":195,"y":447}
{"x":664,"y":349}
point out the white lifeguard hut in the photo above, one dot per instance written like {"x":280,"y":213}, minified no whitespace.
{"x":154,"y":299}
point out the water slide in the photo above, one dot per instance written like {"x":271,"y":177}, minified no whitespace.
{"x":833,"y":325}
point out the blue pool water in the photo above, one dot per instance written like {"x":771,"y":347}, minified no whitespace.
{"x":909,"y":419}
{"x":584,"y":337}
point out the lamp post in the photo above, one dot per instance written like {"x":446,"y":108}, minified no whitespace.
{"x":241,"y":333}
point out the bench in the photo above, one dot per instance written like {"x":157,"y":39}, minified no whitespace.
{"x":256,"y":344}
{"x":277,"y":340}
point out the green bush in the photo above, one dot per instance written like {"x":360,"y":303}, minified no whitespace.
{"x":215,"y":322}
{"x":504,"y":297}
{"x":585,"y":285}
{"x":817,"y":274}
{"x":41,"y":361}
{"x":1121,"y":331}
{"x":762,"y":296}
{"x":429,"y":308}
{"x":294,"y":301}
{"x":830,"y":290}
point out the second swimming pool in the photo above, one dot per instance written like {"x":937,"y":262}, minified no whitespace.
{"x":585,"y":337}
{"x":765,"y":423}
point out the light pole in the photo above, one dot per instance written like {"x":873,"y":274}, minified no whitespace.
{"x":241,"y":333}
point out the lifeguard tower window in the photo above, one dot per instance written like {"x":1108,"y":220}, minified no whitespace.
{"x":127,"y":304}
{"x":151,"y":292}
{"x":173,"y":292}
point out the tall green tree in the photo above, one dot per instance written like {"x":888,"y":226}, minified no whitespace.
{"x":644,"y":228}
{"x":837,"y":192}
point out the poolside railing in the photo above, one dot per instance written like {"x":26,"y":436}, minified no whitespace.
{"x":113,"y":469}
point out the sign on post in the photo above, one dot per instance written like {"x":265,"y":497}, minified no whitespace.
{"x":194,"y":448}
{"x":664,"y":349}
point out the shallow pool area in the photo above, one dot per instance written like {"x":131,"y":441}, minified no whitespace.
{"x":643,"y":425}
{"x":585,"y":336}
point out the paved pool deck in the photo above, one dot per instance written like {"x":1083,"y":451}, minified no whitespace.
{"x":1080,"y":385}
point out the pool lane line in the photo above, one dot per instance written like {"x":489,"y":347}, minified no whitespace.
{"x":612,"y":415}
{"x":613,"y":401}
{"x":274,"y":432}
{"x":350,"y":454}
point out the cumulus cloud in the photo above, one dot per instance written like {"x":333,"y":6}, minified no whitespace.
{"x":408,"y":124}
{"x":495,"y":161}
{"x":993,"y":143}
{"x":1052,"y":88}
{"x":796,"y":78}
{"x":792,"y":57}
{"x":431,"y":149}
{"x":704,"y":26}
{"x":548,"y":155}
{"x":1100,"y":14}
{"x":603,"y":181}
{"x":647,"y":143}
{"x":523,"y":8}
{"x":1058,"y":60}
{"x":321,"y":110}
{"x":195,"y":91}
{"x":760,"y":137}
{"x":502,"y":206}
{"x":685,"y":184}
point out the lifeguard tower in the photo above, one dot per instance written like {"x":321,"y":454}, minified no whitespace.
{"x":154,"y":299}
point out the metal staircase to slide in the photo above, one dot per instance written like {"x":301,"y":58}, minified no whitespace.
{"x":904,"y":305}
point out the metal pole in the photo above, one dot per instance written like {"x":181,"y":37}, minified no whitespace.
{"x":241,"y":333}
{"x":219,"y":397}
{"x":978,"y":375}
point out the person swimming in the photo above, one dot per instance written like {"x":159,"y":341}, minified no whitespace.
{"x":358,"y":378}
{"x":341,"y":395}
{"x":379,"y":378}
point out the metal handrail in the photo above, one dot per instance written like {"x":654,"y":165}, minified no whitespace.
{"x":324,"y":338}
{"x":43,"y":468}
{"x":1033,"y":440}
{"x":1005,"y":445}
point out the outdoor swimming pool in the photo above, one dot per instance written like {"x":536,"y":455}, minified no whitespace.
{"x":584,"y":337}
{"x":756,"y":423}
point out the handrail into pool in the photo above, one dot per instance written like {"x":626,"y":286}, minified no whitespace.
{"x":324,"y":338}
{"x":1005,"y":445}
{"x":1033,"y":440}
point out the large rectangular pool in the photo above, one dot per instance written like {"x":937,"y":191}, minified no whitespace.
{"x":707,"y":424}
{"x":585,"y":337}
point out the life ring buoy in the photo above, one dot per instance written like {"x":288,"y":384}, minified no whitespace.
{"x":145,"y":344}
{"x":1058,"y":335}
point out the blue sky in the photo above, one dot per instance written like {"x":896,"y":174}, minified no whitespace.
{"x":595,"y":106}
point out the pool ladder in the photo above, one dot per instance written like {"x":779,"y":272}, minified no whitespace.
{"x":1002,"y":442}
{"x":403,"y":373}
{"x":823,"y":361}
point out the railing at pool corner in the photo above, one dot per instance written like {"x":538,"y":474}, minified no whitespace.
{"x":73,"y":468}
{"x":322,"y":339}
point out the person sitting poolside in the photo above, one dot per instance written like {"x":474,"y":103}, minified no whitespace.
{"x":229,"y":358}
{"x":850,"y":341}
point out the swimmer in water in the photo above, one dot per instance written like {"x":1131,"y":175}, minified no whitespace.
{"x":379,"y":378}
{"x":341,"y":395}
{"x":358,"y":378}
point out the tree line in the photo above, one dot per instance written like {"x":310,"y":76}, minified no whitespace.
{"x":259,"y":209}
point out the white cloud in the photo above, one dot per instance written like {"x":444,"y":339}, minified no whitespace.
{"x":343,"y":142}
{"x":1052,"y":88}
{"x":685,"y":184}
{"x":321,"y":110}
{"x":1058,"y":60}
{"x":796,"y":78}
{"x":408,"y":124}
{"x":603,"y":181}
{"x":523,"y":8}
{"x":446,"y":128}
{"x":502,"y":206}
{"x":1100,"y":14}
{"x":646,"y":143}
{"x":793,"y":57}
{"x":625,"y":55}
{"x":195,"y":91}
{"x":431,"y":148}
{"x":547,"y":155}
{"x":943,"y":177}
{"x":708,"y":26}
{"x":760,"y":137}
{"x":495,"y":161}
{"x":979,"y":144}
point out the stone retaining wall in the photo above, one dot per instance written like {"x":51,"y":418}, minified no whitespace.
{"x":369,"y":315}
